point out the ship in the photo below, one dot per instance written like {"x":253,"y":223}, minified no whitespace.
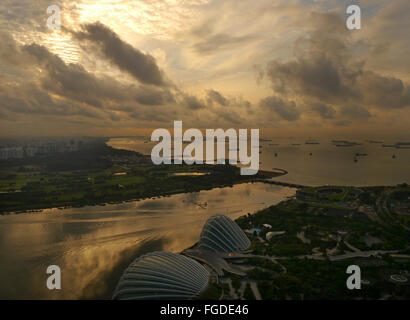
{"x":402,"y":145}
{"x":343,"y":143}
{"x":312,"y":142}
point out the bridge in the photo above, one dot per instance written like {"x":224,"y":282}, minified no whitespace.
{"x":285,"y":184}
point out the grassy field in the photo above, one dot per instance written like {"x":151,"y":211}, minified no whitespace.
{"x":32,"y":190}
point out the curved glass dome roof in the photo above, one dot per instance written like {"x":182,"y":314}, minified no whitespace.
{"x":162,"y":275}
{"x":222,"y":234}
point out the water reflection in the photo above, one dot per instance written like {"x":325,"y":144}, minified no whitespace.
{"x":93,"y":245}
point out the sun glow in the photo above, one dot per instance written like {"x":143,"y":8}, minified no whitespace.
{"x":159,"y":19}
{"x":61,"y":44}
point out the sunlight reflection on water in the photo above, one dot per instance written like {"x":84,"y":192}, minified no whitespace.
{"x":93,"y":245}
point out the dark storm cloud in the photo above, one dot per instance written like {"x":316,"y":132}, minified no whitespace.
{"x":153,"y":97}
{"x":73,"y":81}
{"x":194,"y":103}
{"x":355,"y":112}
{"x":50,"y":87}
{"x":286,"y":110}
{"x":323,"y":71}
{"x":216,"y":96}
{"x":324,"y":111}
{"x":141,"y":66}
{"x":383,"y":92}
{"x":31,"y":100}
{"x":317,"y":77}
{"x":319,"y":68}
{"x":27,"y":96}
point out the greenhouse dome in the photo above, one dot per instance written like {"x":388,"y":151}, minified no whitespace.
{"x":222,"y":234}
{"x":162,"y":275}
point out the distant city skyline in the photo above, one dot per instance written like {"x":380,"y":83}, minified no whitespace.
{"x":128,"y":67}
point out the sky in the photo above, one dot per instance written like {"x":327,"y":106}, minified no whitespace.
{"x":116,"y":67}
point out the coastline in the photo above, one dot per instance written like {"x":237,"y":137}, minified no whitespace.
{"x":102,"y":175}
{"x":159,"y":195}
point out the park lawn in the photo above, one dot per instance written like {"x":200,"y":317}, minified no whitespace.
{"x":21,"y":180}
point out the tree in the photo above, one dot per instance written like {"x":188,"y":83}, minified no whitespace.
{"x":248,"y":294}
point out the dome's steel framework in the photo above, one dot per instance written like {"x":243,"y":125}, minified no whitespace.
{"x":162,"y":275}
{"x":222,"y":234}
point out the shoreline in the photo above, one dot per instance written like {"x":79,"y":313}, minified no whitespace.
{"x":167,"y":194}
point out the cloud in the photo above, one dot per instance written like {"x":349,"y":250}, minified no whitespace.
{"x":383,"y":92}
{"x":324,"y":111}
{"x":141,"y":66}
{"x":216,"y":96}
{"x":219,"y":41}
{"x":32,"y":100}
{"x":319,"y":68}
{"x":194,"y":103}
{"x":323,"y":72}
{"x":286,"y":110}
{"x":153,"y":97}
{"x":8,"y":50}
{"x":308,"y":66}
{"x":48,"y":86}
{"x":386,"y":34}
{"x":208,"y":41}
{"x":74,"y":82}
{"x":56,"y":88}
{"x":355,"y":112}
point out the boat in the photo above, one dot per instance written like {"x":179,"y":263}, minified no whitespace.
{"x":344,"y":143}
{"x":402,"y":145}
{"x":312,"y":142}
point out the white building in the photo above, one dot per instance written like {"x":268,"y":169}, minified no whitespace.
{"x":11,"y":153}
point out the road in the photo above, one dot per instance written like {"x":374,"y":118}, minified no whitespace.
{"x":383,"y":210}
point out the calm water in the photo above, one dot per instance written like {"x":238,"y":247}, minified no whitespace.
{"x":93,"y":245}
{"x":328,"y":164}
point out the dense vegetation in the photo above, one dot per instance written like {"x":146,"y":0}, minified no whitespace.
{"x":100,"y":175}
{"x":315,"y":233}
